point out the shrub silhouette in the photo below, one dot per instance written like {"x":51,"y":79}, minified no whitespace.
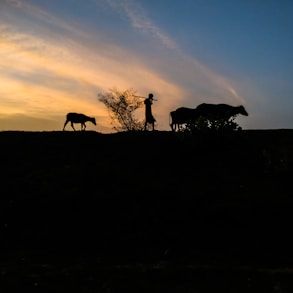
{"x":121,"y":106}
{"x":213,"y":123}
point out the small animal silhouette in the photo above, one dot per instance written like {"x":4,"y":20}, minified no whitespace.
{"x":78,"y":118}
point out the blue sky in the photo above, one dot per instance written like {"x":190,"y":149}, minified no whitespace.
{"x":56,"y":56}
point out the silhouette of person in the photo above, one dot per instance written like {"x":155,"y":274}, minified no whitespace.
{"x":149,"y":118}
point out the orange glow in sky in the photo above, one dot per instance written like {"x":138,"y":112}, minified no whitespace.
{"x":56,"y":56}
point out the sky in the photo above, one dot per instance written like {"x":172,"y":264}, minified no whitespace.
{"x":57,"y":56}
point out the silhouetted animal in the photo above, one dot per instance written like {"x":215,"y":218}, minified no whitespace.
{"x":181,"y":116}
{"x":78,"y":118}
{"x":219,"y":111}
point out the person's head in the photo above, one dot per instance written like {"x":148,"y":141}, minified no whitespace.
{"x":151,"y":96}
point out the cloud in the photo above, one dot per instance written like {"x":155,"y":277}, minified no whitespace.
{"x":50,"y":67}
{"x":16,"y":3}
{"x":140,"y":21}
{"x":47,"y":77}
{"x":207,"y":83}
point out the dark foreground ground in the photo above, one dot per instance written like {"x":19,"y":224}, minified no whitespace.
{"x":146,"y":212}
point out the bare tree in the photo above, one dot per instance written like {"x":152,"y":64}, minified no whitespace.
{"x":121,"y":106}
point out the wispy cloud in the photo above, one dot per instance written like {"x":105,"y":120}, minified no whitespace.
{"x":139,"y":20}
{"x":39,"y":17}
{"x":50,"y":66}
{"x":55,"y":77}
{"x":202,"y":75}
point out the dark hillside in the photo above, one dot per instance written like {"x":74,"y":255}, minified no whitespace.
{"x":148,"y":198}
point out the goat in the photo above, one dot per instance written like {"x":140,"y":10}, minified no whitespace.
{"x":78,"y":118}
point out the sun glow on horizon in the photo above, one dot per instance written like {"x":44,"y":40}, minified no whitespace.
{"x":49,"y":67}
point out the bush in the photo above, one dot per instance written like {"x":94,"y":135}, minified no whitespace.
{"x":212,"y":124}
{"x":121,"y":106}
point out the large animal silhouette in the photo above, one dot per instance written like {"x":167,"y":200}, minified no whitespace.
{"x":181,"y":116}
{"x":219,"y":111}
{"x":184,"y":115}
{"x":78,"y":118}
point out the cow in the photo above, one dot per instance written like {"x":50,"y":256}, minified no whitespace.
{"x":219,"y":111}
{"x":78,"y":118}
{"x":182,"y":116}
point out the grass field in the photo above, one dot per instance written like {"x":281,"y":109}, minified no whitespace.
{"x":146,"y":212}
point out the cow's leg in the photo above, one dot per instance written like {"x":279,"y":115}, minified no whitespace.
{"x":65,"y":124}
{"x":173,"y":126}
{"x":72,"y":126}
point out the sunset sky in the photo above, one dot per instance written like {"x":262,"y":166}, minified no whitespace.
{"x":56,"y":56}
